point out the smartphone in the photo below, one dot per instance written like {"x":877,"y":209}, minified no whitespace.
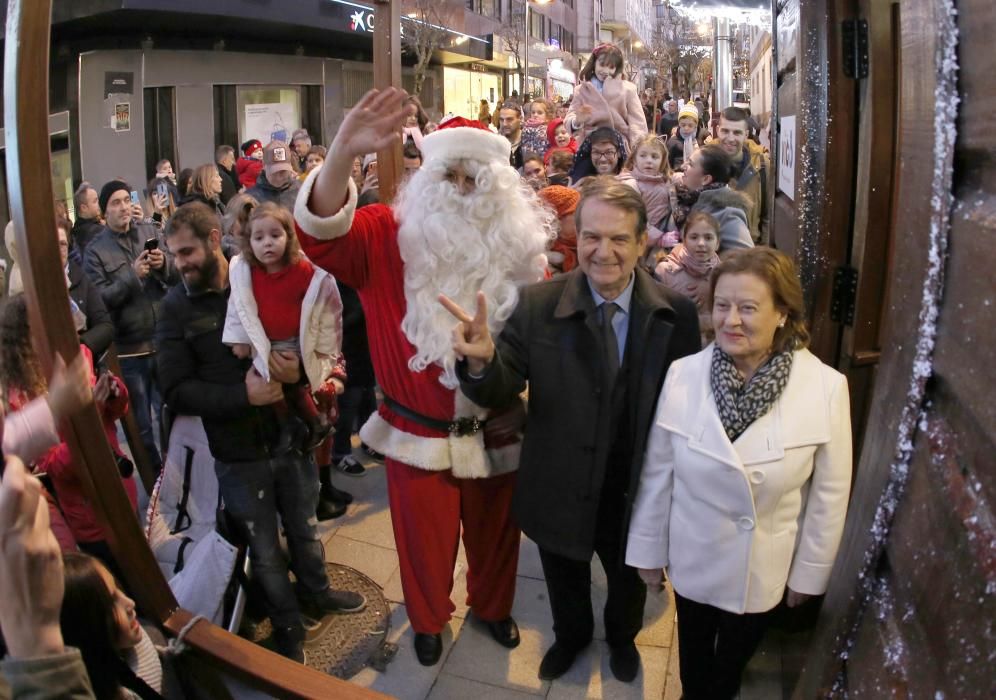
{"x":162,"y":189}
{"x":152,"y":244}
{"x":134,"y":197}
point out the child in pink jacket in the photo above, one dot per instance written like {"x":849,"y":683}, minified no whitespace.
{"x":605,"y":98}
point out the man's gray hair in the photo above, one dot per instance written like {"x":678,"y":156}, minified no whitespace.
{"x":607,"y":189}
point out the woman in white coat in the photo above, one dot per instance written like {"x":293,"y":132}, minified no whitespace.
{"x":747,"y":472}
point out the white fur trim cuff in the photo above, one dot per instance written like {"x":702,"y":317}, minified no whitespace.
{"x":328,"y":227}
{"x":465,"y":455}
{"x":468,"y":142}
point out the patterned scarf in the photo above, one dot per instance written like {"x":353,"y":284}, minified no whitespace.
{"x":741,"y":405}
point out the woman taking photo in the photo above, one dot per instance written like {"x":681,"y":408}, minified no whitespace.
{"x":745,"y":482}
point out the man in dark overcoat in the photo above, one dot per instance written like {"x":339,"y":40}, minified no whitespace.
{"x":593,"y":346}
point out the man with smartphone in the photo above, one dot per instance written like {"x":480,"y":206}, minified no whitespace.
{"x":128,"y":263}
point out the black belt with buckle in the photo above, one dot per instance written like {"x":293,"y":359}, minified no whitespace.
{"x":460,"y":427}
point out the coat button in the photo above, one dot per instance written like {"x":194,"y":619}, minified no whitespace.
{"x":757,"y":476}
{"x":745,"y":523}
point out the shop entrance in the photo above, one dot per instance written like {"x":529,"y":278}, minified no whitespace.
{"x":463,"y":91}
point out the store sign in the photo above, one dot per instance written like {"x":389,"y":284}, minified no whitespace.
{"x":786,"y":156}
{"x":363,"y":21}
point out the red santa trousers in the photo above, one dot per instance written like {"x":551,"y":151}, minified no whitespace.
{"x":427,"y":509}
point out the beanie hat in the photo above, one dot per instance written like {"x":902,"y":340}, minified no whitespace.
{"x":250,"y":147}
{"x":689,"y":110}
{"x":108,"y":190}
{"x":276,"y":157}
{"x":564,"y":200}
{"x":300,"y":134}
{"x":367,"y":160}
{"x":459,"y":138}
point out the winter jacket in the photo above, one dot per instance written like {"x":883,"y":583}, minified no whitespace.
{"x":355,"y":345}
{"x":320,"y":336}
{"x":730,"y":209}
{"x":754,"y":180}
{"x":263,"y":191}
{"x":248,"y":169}
{"x":616,"y":106}
{"x":132,"y":302}
{"x":680,"y":273}
{"x":59,"y":676}
{"x":551,"y":141}
{"x":199,"y":376}
{"x":99,"y":331}
{"x":62,"y":468}
{"x":230,"y":184}
{"x":84,"y":231}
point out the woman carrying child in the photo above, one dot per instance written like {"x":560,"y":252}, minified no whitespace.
{"x":281,"y":303}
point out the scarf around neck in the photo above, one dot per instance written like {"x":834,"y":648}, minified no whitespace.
{"x":739,"y":405}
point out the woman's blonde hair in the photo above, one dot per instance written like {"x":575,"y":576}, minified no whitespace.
{"x":292,"y":253}
{"x":654,"y":142}
{"x":201,"y":180}
{"x":778,"y":271}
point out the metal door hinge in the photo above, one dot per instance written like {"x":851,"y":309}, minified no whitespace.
{"x":854,"y":36}
{"x":845,"y":295}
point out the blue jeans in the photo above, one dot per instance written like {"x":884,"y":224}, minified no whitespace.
{"x":355,"y":406}
{"x":143,"y":394}
{"x":254,"y":494}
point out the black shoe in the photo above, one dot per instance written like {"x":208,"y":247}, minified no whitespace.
{"x":329,"y":508}
{"x":428,"y":648}
{"x":289,"y":642}
{"x":556,"y":662}
{"x":624,"y":662}
{"x":371,"y":452}
{"x":349,"y":466}
{"x":505,"y":632}
{"x":332,"y":601}
{"x":333,"y":494}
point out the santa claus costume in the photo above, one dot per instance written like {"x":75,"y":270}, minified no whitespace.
{"x":441,"y":475}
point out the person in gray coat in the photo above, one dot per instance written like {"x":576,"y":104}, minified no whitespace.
{"x":708,"y":172}
{"x":278,"y":181}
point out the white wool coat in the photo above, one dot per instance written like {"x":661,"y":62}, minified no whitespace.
{"x":733,"y":523}
{"x":320,"y":336}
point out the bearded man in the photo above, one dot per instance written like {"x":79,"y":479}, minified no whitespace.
{"x":463,"y":223}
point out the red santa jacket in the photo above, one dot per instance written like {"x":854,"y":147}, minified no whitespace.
{"x":360,"y":248}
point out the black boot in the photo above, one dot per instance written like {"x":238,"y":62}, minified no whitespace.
{"x":331,"y":501}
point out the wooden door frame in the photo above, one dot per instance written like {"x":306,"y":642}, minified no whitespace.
{"x":928,"y":37}
{"x":29,"y":171}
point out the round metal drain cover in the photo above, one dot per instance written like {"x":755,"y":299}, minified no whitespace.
{"x":342,"y":644}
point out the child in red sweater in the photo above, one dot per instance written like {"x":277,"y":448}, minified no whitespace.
{"x":281,"y":303}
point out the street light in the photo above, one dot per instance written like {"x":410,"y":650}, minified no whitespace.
{"x":525,"y":48}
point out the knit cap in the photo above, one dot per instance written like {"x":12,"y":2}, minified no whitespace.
{"x":564,"y":200}
{"x":690,"y":111}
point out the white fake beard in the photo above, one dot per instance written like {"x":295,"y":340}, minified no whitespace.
{"x":490,"y":240}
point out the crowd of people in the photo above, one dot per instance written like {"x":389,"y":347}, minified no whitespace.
{"x":577,"y":332}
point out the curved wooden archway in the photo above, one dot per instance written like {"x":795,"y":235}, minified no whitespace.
{"x":31,"y":204}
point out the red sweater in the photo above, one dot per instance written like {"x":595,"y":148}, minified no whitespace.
{"x":279,"y":297}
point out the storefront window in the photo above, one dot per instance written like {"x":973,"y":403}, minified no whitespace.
{"x":463,"y":91}
{"x":270,"y":113}
{"x":62,"y":174}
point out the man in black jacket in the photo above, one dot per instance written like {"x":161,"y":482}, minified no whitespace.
{"x":200,"y":376}
{"x":594,"y":346}
{"x":88,"y":223}
{"x":224,"y":158}
{"x":132,"y":279}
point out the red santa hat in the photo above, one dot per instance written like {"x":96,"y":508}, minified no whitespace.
{"x":458,"y":138}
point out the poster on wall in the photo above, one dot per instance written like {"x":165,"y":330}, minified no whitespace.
{"x":267,"y":122}
{"x":121,"y":121}
{"x":786,"y":156}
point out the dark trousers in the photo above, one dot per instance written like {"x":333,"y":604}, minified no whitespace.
{"x":714,"y":646}
{"x":254,"y":494}
{"x":355,"y":406}
{"x":568,"y":583}
{"x":139,"y":376}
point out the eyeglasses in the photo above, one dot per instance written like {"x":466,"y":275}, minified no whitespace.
{"x":604,"y":155}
